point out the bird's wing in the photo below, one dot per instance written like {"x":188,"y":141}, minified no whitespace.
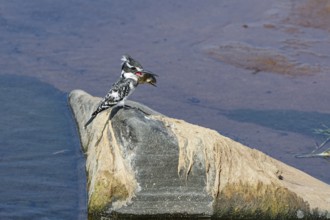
{"x":118,"y":92}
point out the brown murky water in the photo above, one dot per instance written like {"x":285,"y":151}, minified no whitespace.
{"x":255,"y":71}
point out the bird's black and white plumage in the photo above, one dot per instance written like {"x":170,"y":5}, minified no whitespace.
{"x":132,"y":74}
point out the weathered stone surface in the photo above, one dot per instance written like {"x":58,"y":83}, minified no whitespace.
{"x":142,"y":163}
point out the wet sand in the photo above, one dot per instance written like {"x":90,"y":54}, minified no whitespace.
{"x":255,"y":71}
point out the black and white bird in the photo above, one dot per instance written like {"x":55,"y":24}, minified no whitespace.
{"x":132,"y":74}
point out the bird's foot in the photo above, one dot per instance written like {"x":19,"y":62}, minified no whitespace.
{"x":126,"y":107}
{"x":135,"y":108}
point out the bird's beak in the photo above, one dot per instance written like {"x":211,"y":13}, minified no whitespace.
{"x":148,"y":77}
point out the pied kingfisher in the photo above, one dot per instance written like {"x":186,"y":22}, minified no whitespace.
{"x":132,"y":74}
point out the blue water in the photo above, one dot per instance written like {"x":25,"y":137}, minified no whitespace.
{"x":41,"y":165}
{"x":299,"y":122}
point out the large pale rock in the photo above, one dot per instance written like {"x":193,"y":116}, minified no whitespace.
{"x":141,"y":163}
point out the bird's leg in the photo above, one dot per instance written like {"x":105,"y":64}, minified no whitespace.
{"x":138,"y":109}
{"x":127,"y":107}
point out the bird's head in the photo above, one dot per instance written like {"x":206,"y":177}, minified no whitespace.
{"x":133,"y":69}
{"x":130,"y":68}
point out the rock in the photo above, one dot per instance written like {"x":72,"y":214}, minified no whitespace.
{"x":141,"y":163}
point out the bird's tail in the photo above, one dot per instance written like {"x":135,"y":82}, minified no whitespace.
{"x":89,"y":121}
{"x":99,"y":109}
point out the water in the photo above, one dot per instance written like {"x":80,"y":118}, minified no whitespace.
{"x":41,"y":166}
{"x":254,"y":71}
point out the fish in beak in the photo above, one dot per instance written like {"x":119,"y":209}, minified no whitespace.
{"x":147,"y":77}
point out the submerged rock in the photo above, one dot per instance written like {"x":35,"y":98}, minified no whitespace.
{"x":310,"y":13}
{"x":141,"y":163}
{"x":258,"y":59}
